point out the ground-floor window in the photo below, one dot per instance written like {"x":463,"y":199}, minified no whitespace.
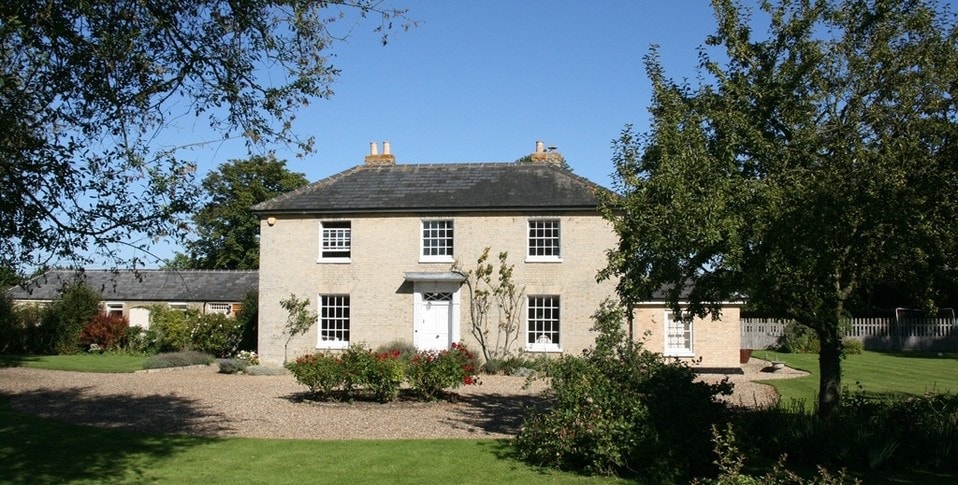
{"x":113,"y":309}
{"x":542,"y":324}
{"x":223,"y":308}
{"x":678,"y":336}
{"x":333,"y":321}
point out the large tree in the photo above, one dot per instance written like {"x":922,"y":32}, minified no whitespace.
{"x":806,"y":168}
{"x":88,"y":87}
{"x":227,"y":233}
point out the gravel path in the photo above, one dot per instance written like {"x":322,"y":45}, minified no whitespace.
{"x":200,"y":401}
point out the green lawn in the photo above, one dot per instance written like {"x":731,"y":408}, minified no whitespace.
{"x":874,"y":373}
{"x":36,"y":450}
{"x":77,"y":362}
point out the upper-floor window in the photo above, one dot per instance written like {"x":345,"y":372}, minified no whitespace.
{"x":333,"y":322}
{"x":678,"y":336}
{"x":437,"y":240}
{"x":544,"y":240}
{"x":335,"y":241}
{"x":542,"y":324}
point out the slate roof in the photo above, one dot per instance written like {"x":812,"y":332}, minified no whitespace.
{"x":441,"y":187}
{"x":146,"y":285}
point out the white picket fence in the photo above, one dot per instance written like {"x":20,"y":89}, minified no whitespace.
{"x":876,"y":333}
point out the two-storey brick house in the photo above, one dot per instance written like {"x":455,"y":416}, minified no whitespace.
{"x":373,"y":247}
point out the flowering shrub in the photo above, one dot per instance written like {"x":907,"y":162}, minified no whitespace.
{"x":248,"y":355}
{"x":106,"y":332}
{"x":430,"y":372}
{"x":359,"y":371}
{"x":386,"y":375}
{"x":321,"y":373}
{"x":217,"y":334}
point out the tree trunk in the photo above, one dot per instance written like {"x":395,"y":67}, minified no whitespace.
{"x":829,"y":365}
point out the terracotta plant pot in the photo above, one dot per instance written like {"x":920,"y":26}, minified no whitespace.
{"x":744,"y":355}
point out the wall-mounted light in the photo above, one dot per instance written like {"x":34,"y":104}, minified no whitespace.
{"x":271,"y":221}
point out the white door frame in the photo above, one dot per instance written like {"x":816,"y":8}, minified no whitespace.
{"x":421,"y":287}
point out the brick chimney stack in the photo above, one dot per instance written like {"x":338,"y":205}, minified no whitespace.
{"x":374,"y":159}
{"x":545,"y":155}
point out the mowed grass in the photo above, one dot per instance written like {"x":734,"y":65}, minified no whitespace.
{"x":876,"y":374}
{"x":36,"y":450}
{"x":108,"y":363}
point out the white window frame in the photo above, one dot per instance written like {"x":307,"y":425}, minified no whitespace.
{"x":113,"y":307}
{"x":535,"y":239}
{"x":217,"y":307}
{"x":443,"y":233}
{"x":335,"y":238}
{"x":334,"y":309}
{"x":676,"y":343}
{"x":178,"y":306}
{"x":543,"y":323}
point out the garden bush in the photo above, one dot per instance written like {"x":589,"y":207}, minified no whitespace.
{"x":359,"y":373}
{"x":866,"y":433}
{"x":232,"y":366}
{"x":170,"y":330}
{"x":406,"y":349}
{"x":432,"y":372}
{"x":62,"y":321}
{"x":262,"y":370}
{"x":178,"y":359}
{"x":798,"y":338}
{"x":322,"y":373}
{"x":620,"y":409}
{"x":216,"y":334}
{"x":248,"y":318}
{"x":105,"y":332}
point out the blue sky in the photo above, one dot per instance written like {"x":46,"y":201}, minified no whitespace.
{"x":482,"y":81}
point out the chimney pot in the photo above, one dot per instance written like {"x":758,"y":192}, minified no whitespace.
{"x":374,"y":159}
{"x":540,"y":147}
{"x":545,"y":156}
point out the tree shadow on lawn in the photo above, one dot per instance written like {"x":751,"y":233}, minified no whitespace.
{"x":38,"y":450}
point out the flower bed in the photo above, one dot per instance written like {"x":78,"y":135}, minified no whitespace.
{"x":360,"y":373}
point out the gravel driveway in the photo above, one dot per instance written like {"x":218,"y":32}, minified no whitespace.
{"x":200,"y":401}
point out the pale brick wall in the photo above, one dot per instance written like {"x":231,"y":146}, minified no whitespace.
{"x":715,"y":342}
{"x":384,"y":248}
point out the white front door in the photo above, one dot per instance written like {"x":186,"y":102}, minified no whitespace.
{"x":436,"y":324}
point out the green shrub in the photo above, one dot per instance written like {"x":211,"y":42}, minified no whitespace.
{"x":170,"y":329}
{"x":620,"y":409}
{"x":386,"y":374}
{"x":322,"y":373}
{"x":232,"y":366}
{"x":852,"y":346}
{"x":357,"y":362}
{"x":178,"y":359}
{"x":19,"y":326}
{"x":216,"y":334}
{"x":62,"y":321}
{"x":797,"y":339}
{"x":430,"y":372}
{"x":106,"y":332}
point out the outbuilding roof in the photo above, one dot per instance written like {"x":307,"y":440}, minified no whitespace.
{"x":145,"y":285}
{"x":454,"y":187}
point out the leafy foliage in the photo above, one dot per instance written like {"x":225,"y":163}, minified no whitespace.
{"x":360,"y":372}
{"x":62,"y":321}
{"x":88,"y":88}
{"x":107,"y":332}
{"x":171,"y":329}
{"x":807,"y":169}
{"x":216,"y":334}
{"x":227,"y":233}
{"x":621,"y":409}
